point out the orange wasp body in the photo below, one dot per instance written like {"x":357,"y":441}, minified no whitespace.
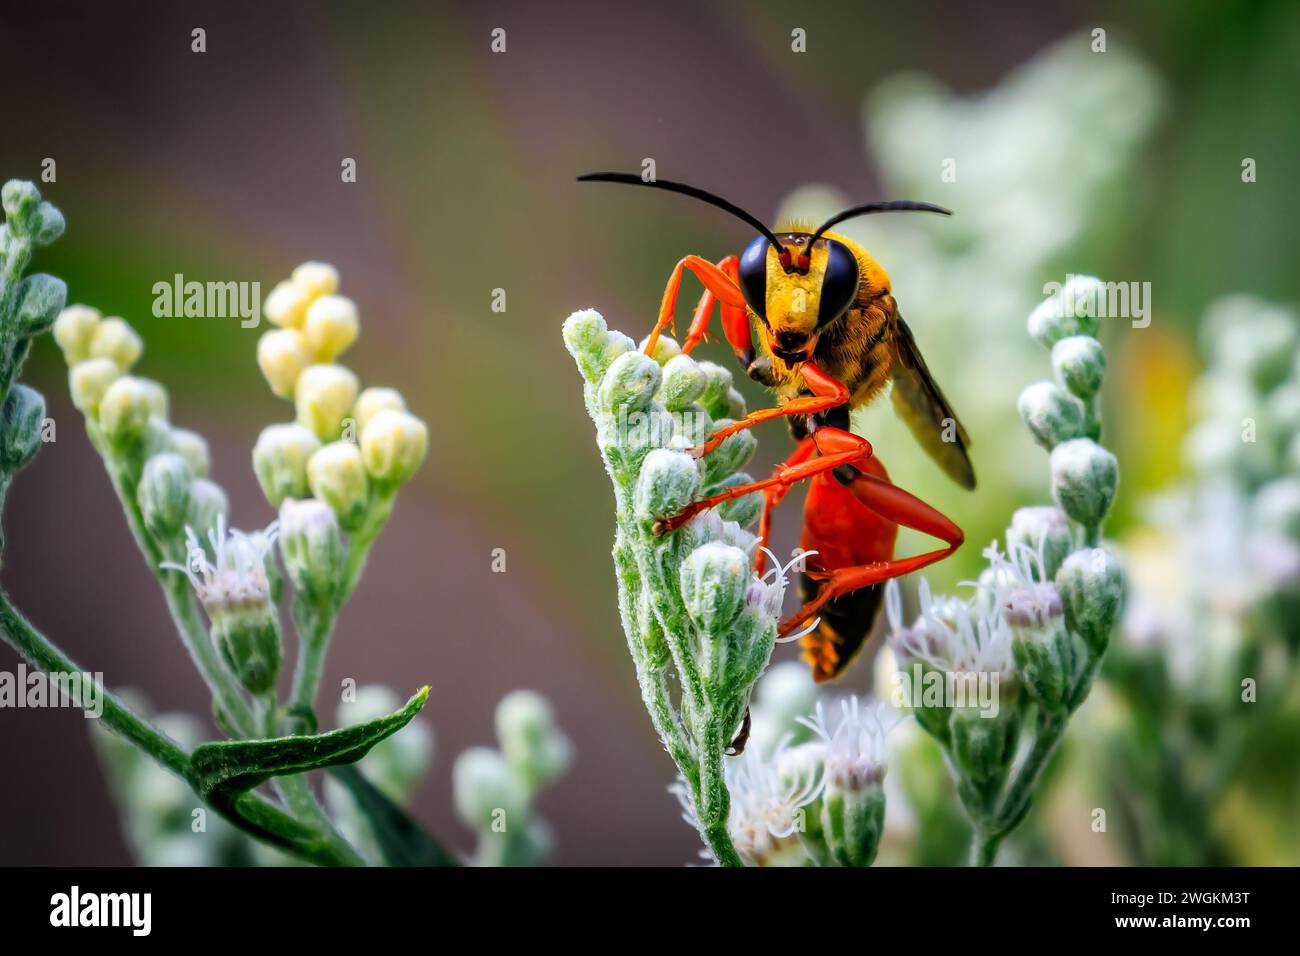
{"x":829,"y":339}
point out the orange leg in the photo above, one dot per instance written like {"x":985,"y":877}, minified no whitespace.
{"x":826,"y":392}
{"x":773,"y":497}
{"x":716,"y":281}
{"x":899,"y":506}
{"x":735,"y":319}
{"x":832,"y":455}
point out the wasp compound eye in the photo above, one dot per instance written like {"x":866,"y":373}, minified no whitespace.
{"x":839,"y":283}
{"x":753,"y":274}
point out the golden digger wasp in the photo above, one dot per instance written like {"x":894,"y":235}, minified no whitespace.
{"x":830,"y":339}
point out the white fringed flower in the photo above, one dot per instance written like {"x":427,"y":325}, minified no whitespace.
{"x":855,"y":745}
{"x":235,"y":576}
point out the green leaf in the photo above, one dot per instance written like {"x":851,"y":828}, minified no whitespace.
{"x":401,"y":838}
{"x":227,"y":768}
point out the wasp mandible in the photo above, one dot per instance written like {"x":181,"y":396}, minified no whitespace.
{"x":830,"y":339}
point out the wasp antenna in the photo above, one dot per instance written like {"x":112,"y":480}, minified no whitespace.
{"x":633,"y":179}
{"x":897,"y":205}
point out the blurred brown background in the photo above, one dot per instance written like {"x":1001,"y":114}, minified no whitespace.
{"x":225,"y":166}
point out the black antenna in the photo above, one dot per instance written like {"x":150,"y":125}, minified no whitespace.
{"x":897,"y":205}
{"x":632,"y":179}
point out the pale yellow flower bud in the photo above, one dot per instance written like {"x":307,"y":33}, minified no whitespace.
{"x":324,"y":395}
{"x":89,"y":380}
{"x":331,"y":326}
{"x":280,"y":461}
{"x":193,"y":448}
{"x":73,"y":330}
{"x":337,"y":477}
{"x":373,"y":400}
{"x":128,"y":404}
{"x":282,"y":355}
{"x":393,"y":445}
{"x":316,"y":279}
{"x":286,"y":305}
{"x":114,"y":339}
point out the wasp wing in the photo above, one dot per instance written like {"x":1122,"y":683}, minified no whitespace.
{"x":922,"y":407}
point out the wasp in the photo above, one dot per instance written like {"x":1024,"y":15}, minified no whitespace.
{"x":811,"y":316}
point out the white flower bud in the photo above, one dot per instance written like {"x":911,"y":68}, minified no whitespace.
{"x":683,"y":383}
{"x":164,"y":494}
{"x":535,"y":749}
{"x":713,"y":580}
{"x":282,"y":355}
{"x":337,"y":476}
{"x":286,"y":305}
{"x":331,"y":326}
{"x":127,"y":406}
{"x":208,"y":507}
{"x":667,"y":484}
{"x":1041,"y":526}
{"x":280,"y":461}
{"x":89,"y":380}
{"x":373,"y":400}
{"x":73,"y":330}
{"x":1092,"y":588}
{"x":1051,"y":413}
{"x":1079,"y":362}
{"x":316,"y":278}
{"x":1084,"y":479}
{"x":585,"y":336}
{"x":393,"y":446}
{"x":312,"y":548}
{"x":193,"y":448}
{"x":732,"y":455}
{"x":20,"y":429}
{"x":630,"y":384}
{"x":323,"y":397}
{"x":666,"y":349}
{"x":485,"y":792}
{"x":1072,"y":311}
{"x":744,"y":511}
{"x":114,"y":339}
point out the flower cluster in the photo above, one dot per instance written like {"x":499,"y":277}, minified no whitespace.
{"x":348,"y":447}
{"x":994,"y":679}
{"x":28,"y":306}
{"x":690,"y":600}
{"x":494,"y":788}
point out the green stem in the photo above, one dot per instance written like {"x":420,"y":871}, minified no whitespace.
{"x":713,"y":802}
{"x":984,"y":847}
{"x":314,"y":624}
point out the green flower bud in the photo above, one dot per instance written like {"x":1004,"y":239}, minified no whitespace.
{"x":49,"y":224}
{"x":393,"y":445}
{"x":668,"y":483}
{"x":684,"y":383}
{"x":486,"y":794}
{"x":984,"y":747}
{"x":20,"y":199}
{"x":20,"y":428}
{"x":584,"y":336}
{"x":1084,"y":479}
{"x":1092,"y":588}
{"x":312,"y":548}
{"x":666,"y":349}
{"x":249,"y":639}
{"x":193,"y":448}
{"x":1253,"y":338}
{"x":164,"y":494}
{"x":1039,"y":643}
{"x":337,"y":476}
{"x":1072,"y":311}
{"x":744,"y":511}
{"x":73,"y":330}
{"x":630,"y":384}
{"x":716,"y":398}
{"x":208,"y":507}
{"x":38,"y":300}
{"x":1041,"y":526}
{"x":1079,"y":362}
{"x":89,"y":380}
{"x":733,"y":454}
{"x":852,"y":821}
{"x":280,"y":461}
{"x":713,"y":579}
{"x":127,"y":406}
{"x":1051,"y":414}
{"x":535,"y":749}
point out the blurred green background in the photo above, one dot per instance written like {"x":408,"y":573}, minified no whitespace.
{"x":226,"y":166}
